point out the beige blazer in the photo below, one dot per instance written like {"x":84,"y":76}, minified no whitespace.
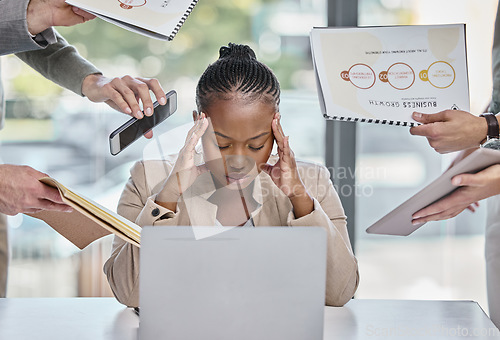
{"x":137,"y":204}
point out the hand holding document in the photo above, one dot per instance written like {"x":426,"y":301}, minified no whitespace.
{"x":160,"y":19}
{"x":88,"y":222}
{"x":384,"y":74}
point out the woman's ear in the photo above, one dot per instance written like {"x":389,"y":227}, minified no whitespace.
{"x":274,"y":149}
{"x":195,"y":115}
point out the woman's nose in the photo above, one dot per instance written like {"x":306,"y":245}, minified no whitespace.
{"x":237,"y":162}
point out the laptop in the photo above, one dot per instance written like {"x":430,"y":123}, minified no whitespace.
{"x":239,"y":283}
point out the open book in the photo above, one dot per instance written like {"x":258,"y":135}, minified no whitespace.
{"x":88,"y":221}
{"x":384,"y":74}
{"x":160,"y":19}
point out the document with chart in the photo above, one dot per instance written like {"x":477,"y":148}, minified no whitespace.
{"x":384,"y":74}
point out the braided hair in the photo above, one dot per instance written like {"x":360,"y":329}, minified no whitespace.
{"x":237,"y":73}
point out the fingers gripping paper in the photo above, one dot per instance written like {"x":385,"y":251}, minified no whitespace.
{"x":88,"y":222}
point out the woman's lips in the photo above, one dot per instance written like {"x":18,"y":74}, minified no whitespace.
{"x":236,"y":178}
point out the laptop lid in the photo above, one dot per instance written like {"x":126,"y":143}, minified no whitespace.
{"x":242,"y":283}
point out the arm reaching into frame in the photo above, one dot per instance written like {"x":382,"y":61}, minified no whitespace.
{"x":471,"y":188}
{"x":22,"y":192}
{"x":43,"y":14}
{"x":450,"y":130}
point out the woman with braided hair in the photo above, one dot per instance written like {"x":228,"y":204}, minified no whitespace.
{"x":232,"y":179}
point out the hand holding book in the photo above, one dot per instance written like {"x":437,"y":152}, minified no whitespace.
{"x":22,"y":192}
{"x":88,"y":221}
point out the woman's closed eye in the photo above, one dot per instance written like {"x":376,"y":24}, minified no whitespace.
{"x":221,"y":146}
{"x":253,"y":148}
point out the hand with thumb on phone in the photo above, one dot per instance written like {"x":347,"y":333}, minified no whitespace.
{"x":133,"y":129}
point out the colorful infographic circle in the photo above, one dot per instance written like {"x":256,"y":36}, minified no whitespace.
{"x":128,"y":4}
{"x":360,"y":75}
{"x":440,"y":74}
{"x":400,"y":76}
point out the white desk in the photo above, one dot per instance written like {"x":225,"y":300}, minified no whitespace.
{"x":105,"y":319}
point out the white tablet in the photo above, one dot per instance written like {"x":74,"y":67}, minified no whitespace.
{"x":398,"y":221}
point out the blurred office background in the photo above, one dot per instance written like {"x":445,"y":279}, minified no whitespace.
{"x":66,"y":136}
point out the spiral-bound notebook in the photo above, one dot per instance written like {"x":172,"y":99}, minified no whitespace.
{"x":384,"y":74}
{"x":160,"y":19}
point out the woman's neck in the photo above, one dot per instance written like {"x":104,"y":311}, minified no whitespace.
{"x":234,"y":207}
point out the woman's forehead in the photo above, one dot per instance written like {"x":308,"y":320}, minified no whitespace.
{"x":240,"y":109}
{"x":240,"y":121}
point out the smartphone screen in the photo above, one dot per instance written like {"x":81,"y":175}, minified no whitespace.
{"x":133,"y":129}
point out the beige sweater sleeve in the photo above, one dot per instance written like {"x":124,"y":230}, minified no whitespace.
{"x":137,"y":203}
{"x":342,"y":276}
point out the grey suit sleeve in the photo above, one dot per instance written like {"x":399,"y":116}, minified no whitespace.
{"x":495,"y":102}
{"x":49,"y":54}
{"x":61,"y":63}
{"x":14,"y":36}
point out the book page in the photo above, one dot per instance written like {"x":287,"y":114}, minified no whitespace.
{"x":118,"y":222}
{"x":387,"y":73}
{"x":159,"y":16}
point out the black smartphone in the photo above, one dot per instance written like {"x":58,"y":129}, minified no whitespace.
{"x":133,"y":129}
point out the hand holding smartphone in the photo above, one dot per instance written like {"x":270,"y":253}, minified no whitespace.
{"x":133,"y":129}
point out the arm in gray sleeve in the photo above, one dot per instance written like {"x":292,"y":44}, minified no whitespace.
{"x":495,"y":58}
{"x":48,"y":53}
{"x":14,"y":35}
{"x":60,"y":63}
